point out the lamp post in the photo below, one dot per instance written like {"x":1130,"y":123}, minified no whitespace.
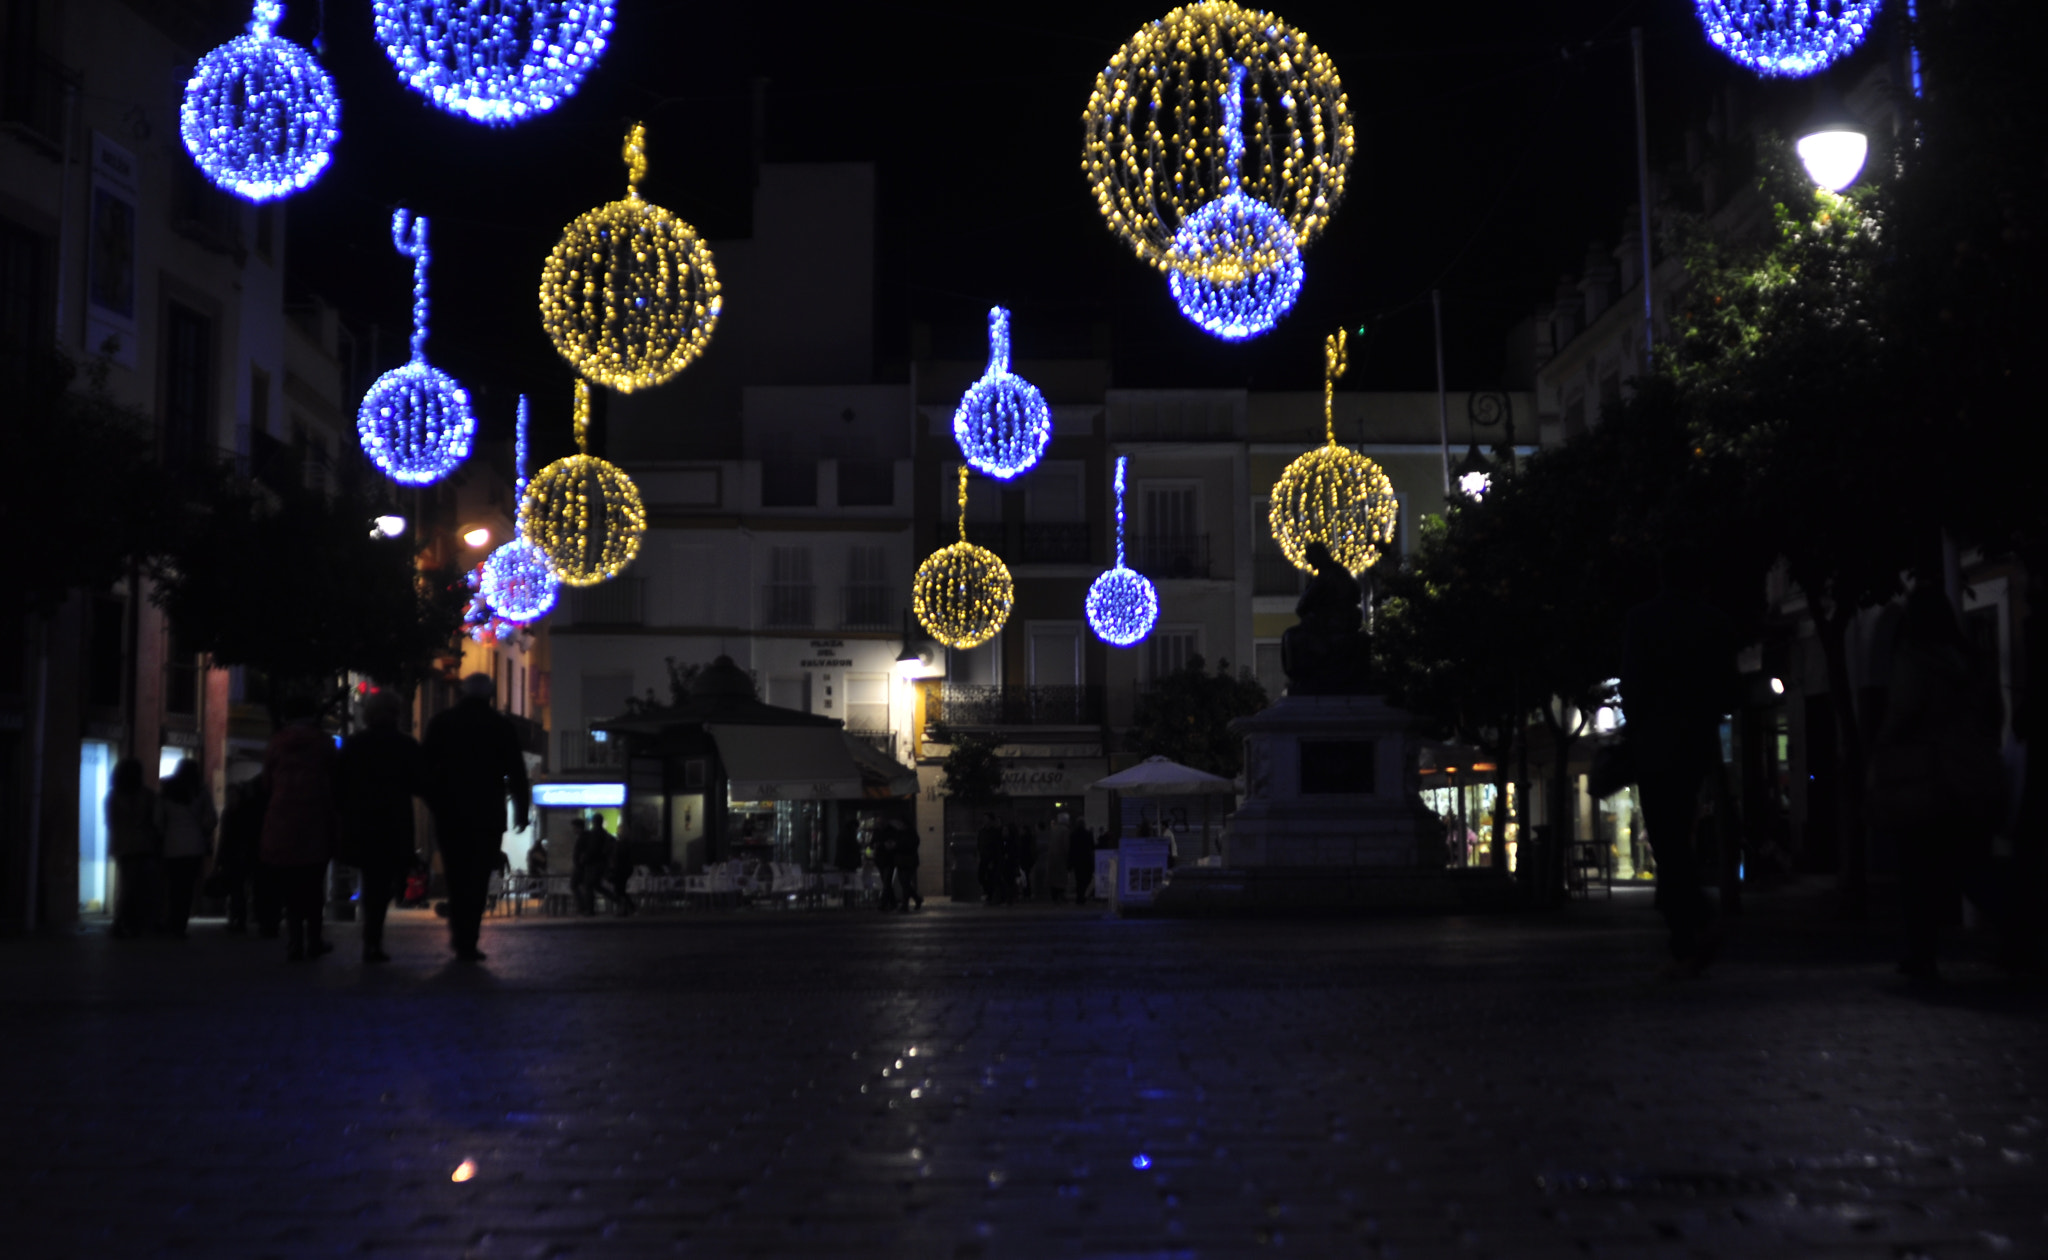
{"x":1832,"y":145}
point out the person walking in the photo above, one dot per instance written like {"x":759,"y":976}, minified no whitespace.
{"x":381,"y":770}
{"x":885,"y":844}
{"x":906,"y":862}
{"x":586,"y":857}
{"x":1059,"y":839}
{"x":1081,"y":860}
{"x":135,"y":823}
{"x":473,"y":760}
{"x":988,"y":857}
{"x":614,"y":866}
{"x":1677,"y":680}
{"x":189,"y":820}
{"x":1019,"y":850}
{"x":1936,"y":779}
{"x":299,"y":824}
{"x":238,"y":857}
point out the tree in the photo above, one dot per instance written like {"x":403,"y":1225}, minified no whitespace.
{"x":1186,"y":716}
{"x":973,"y":770}
{"x":290,"y":582}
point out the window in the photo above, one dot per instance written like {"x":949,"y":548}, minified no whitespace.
{"x":867,"y":702}
{"x":1172,"y":511}
{"x":1267,"y":668}
{"x":790,"y":691}
{"x":867,"y":483}
{"x":24,"y":290}
{"x":981,"y":666}
{"x":1055,"y":654}
{"x":1171,"y":543}
{"x":1053,"y":493}
{"x":1169,"y":650}
{"x":867,"y":594}
{"x":789,"y":483}
{"x":188,"y":383}
{"x":789,"y":587}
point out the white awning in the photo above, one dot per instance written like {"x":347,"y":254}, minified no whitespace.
{"x":787,"y":763}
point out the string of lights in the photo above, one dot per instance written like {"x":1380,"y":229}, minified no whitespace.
{"x":1161,"y":145}
{"x":629,"y":295}
{"x":1786,"y":38}
{"x":1002,"y":423}
{"x":415,"y":421}
{"x":518,"y":580}
{"x":1333,"y":495}
{"x":583,"y":513}
{"x":1234,"y":267}
{"x":496,"y":63}
{"x":1122,"y":604}
{"x":259,"y":115}
{"x":962,"y":594}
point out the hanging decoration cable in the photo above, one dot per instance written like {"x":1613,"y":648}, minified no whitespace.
{"x":1333,"y":495}
{"x":1122,"y":604}
{"x":415,"y":422}
{"x":518,"y":580}
{"x":260,"y":116}
{"x":583,"y":513}
{"x":962,"y":593}
{"x":629,"y":295}
{"x":500,"y":62}
{"x":1002,"y":423}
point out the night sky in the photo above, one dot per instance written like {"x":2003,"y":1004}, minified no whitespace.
{"x":1494,"y":140}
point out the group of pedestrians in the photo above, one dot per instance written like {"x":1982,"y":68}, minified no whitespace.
{"x":1013,"y":865}
{"x":312,"y":805}
{"x":599,"y":863}
{"x":896,"y":857}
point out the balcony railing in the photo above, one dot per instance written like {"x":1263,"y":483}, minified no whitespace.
{"x":976,"y":704}
{"x":1169,"y":555}
{"x":589,"y":750}
{"x":1055,"y":544}
{"x":787,"y":605}
{"x":614,"y":603}
{"x":866,"y":606}
{"x":1274,"y":575}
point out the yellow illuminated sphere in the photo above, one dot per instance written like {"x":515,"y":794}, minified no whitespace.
{"x":962,"y":595}
{"x":586,"y":516}
{"x":629,"y":295}
{"x":1339,"y":498}
{"x":1155,"y":152}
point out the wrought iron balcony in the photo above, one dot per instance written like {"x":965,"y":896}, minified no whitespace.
{"x":787,"y":605}
{"x":1169,"y":555}
{"x":617,"y":602}
{"x":867,"y":606}
{"x":1055,"y":544}
{"x":883,"y":741}
{"x":978,"y":704}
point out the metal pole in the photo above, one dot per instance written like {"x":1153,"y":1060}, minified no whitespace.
{"x":1643,"y":195}
{"x":1443,"y":410}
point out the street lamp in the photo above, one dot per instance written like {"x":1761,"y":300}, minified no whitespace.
{"x":1474,"y":474}
{"x":1832,"y":145}
{"x":389,"y":525}
{"x":477,"y":536}
{"x":912,"y":660}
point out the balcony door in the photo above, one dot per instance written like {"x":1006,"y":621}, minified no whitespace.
{"x":1056,"y":654}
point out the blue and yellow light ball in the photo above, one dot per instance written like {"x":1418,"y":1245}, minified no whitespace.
{"x":500,"y":62}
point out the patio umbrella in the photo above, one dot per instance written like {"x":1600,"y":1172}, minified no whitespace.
{"x":1158,"y":776}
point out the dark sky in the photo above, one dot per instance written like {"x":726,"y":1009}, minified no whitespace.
{"x":1495,"y":138}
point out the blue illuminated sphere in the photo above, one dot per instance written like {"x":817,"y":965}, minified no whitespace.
{"x":1786,"y":38}
{"x":1236,"y":268}
{"x":1122,"y":606}
{"x":1002,"y":425}
{"x":519,"y":583}
{"x":415,"y":423}
{"x":497,"y":63}
{"x":260,"y":116}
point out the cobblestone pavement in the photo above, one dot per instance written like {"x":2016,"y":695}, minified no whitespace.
{"x":1036,"y":1082}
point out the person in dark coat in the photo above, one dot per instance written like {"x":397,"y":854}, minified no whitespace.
{"x":906,"y":862}
{"x":135,"y":839}
{"x":381,"y":770}
{"x":1081,"y":861}
{"x":614,"y":866}
{"x":885,"y":844}
{"x":239,"y":855}
{"x":189,"y":821}
{"x":473,"y":760}
{"x":1677,"y":680}
{"x":586,"y":860}
{"x":1027,"y":860}
{"x":988,"y":856}
{"x":299,"y":824}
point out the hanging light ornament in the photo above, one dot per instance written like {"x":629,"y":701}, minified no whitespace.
{"x":1786,"y":38}
{"x":1122,"y":604}
{"x":1234,"y":266}
{"x":629,"y":295}
{"x":583,"y":513}
{"x":1002,"y":423}
{"x":260,"y":116}
{"x":501,"y":61}
{"x":962,"y":593}
{"x":415,"y":422}
{"x":518,"y":581}
{"x":1333,"y":495}
{"x":1166,"y":154}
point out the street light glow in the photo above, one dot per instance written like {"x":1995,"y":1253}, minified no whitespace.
{"x":1474,"y":485}
{"x":387,"y":526}
{"x":478,"y":537}
{"x":1834,"y":158}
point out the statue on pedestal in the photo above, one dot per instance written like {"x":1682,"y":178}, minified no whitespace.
{"x":1329,"y":653}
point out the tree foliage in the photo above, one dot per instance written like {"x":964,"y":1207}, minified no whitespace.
{"x":1186,"y":715}
{"x":973,"y":770}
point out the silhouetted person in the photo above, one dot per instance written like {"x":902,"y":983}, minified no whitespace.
{"x":614,"y":865}
{"x":299,"y":825}
{"x":988,"y":856}
{"x":1081,"y":861}
{"x":1026,"y":840}
{"x":885,"y":846}
{"x":239,"y":855}
{"x":1677,"y":679}
{"x":1942,"y":712}
{"x":586,"y":860}
{"x":473,"y":760}
{"x":906,"y":862}
{"x":381,"y":769}
{"x":189,"y":819}
{"x":134,"y":841}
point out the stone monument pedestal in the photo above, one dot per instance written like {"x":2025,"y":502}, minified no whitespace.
{"x":1331,"y":782}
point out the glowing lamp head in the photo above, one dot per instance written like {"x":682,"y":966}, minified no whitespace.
{"x":1474,"y":485}
{"x":387,"y":526}
{"x":1834,"y":158}
{"x":1777,"y":686}
{"x":478,"y":536}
